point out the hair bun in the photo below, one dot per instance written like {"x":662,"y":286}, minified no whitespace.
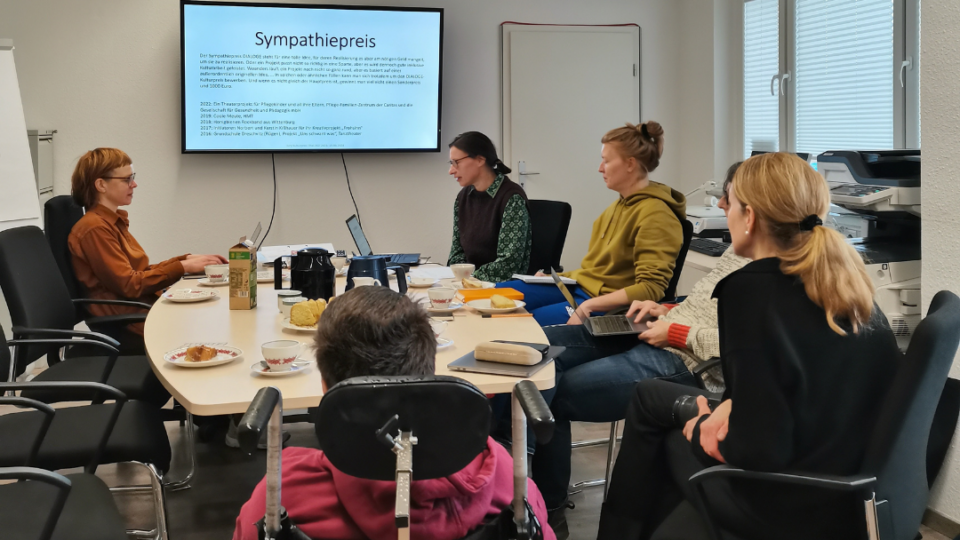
{"x":652,"y":129}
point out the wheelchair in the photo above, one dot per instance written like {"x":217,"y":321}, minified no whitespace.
{"x":402,"y":429}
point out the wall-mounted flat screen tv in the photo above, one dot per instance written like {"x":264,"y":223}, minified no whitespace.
{"x":309,"y":78}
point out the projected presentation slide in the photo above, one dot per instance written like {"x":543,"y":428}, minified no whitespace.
{"x":310,"y":79}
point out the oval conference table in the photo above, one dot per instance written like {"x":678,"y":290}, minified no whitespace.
{"x":229,"y":388}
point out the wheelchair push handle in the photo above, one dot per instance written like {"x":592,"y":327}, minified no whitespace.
{"x":256,"y":419}
{"x":538,"y":413}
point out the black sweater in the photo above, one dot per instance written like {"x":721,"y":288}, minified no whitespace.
{"x":804,"y":397}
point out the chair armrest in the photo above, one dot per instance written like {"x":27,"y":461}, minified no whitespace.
{"x":130,"y":303}
{"x":60,"y":482}
{"x":33,"y":332}
{"x":48,"y":412}
{"x":116,"y":320}
{"x":256,"y":418}
{"x":825,"y":481}
{"x":111,"y":350}
{"x":704,"y":367}
{"x":110,"y":391}
{"x":97,"y":389}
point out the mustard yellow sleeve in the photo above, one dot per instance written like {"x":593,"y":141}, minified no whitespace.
{"x":658,"y":241}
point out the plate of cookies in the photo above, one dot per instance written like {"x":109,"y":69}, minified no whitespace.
{"x":202,"y":355}
{"x":496,"y":304}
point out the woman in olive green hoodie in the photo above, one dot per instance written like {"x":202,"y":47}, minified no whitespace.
{"x":635,"y":241}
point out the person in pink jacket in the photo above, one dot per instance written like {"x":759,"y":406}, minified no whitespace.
{"x":376,"y":331}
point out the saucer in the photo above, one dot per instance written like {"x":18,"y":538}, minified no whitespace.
{"x":207,"y":283}
{"x":263,"y":371}
{"x":224,"y":355}
{"x":444,"y":343}
{"x":422,"y":285}
{"x":450,"y":309}
{"x":189,"y":295}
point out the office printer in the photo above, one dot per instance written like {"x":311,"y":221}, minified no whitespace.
{"x":883,"y":188}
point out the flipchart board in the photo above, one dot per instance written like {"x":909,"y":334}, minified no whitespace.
{"x":19,"y":204}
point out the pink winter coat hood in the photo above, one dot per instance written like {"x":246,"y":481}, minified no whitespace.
{"x":326,"y":503}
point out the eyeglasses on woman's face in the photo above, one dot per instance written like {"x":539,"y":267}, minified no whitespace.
{"x":455,"y":163}
{"x":126,"y":179}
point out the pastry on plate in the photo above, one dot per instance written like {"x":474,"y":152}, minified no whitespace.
{"x":200,"y":353}
{"x":501,"y":302}
{"x":471,"y":283}
{"x":307,"y":313}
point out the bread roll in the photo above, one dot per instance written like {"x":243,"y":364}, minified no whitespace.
{"x":200,"y":353}
{"x":507,"y":353}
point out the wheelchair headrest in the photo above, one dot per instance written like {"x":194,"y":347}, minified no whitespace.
{"x":449,"y":417}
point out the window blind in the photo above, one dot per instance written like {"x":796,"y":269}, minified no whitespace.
{"x":844,"y":75}
{"x":761,"y":61}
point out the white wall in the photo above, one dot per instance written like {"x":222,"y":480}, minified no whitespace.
{"x":940,"y":99}
{"x":106,"y":73}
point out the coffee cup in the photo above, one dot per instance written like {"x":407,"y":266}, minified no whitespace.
{"x":280,"y":355}
{"x":287,"y":304}
{"x":441,"y":297}
{"x":216,"y":273}
{"x":365,"y":281}
{"x":338,"y":262}
{"x":438,"y":327}
{"x":285,"y":293}
{"x":461,"y":271}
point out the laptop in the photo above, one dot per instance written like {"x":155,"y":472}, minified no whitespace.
{"x":603,"y":325}
{"x":363,"y":246}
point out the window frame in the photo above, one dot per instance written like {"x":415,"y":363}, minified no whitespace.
{"x":906,"y":99}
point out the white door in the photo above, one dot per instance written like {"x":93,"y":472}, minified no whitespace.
{"x":563,"y":88}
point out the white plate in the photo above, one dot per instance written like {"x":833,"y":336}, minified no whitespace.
{"x":225,"y":355}
{"x":207,"y":283}
{"x":422,"y":286}
{"x":443,"y":343}
{"x":286,"y":324}
{"x":189,"y":295}
{"x":483,"y":306}
{"x":458,"y":284}
{"x":259,"y":369}
{"x":453,"y":307}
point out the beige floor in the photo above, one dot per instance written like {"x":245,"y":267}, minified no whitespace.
{"x":225,"y":478}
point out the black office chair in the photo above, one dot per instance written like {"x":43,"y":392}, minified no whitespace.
{"x":60,"y":214}
{"x":670,"y":294}
{"x":41,"y":307}
{"x":367,"y":425}
{"x":549,"y":221}
{"x":84,"y":436}
{"x":43,"y":505}
{"x":893,"y":485}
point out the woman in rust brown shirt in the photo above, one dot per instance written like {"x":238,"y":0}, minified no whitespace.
{"x":108,"y":261}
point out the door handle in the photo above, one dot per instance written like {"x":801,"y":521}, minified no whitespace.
{"x":783,"y":78}
{"x":522,"y":167}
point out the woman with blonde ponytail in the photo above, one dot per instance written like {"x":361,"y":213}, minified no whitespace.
{"x":806,"y":356}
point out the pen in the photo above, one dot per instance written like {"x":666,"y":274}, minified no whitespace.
{"x":506,"y":315}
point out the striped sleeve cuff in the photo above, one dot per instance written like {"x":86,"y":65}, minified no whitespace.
{"x":677,"y":335}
